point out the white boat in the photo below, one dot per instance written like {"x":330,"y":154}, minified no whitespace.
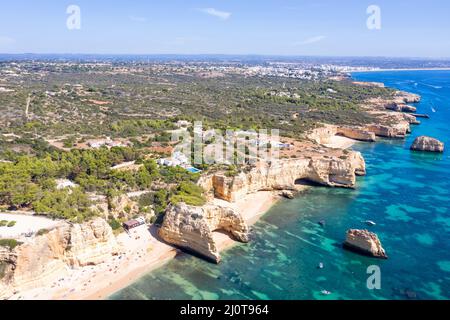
{"x":321,"y":266}
{"x":370,"y":223}
{"x":325,"y":292}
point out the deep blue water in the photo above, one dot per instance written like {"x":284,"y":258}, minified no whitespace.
{"x":407,"y":194}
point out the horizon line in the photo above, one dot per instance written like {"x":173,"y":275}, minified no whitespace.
{"x":229,"y":54}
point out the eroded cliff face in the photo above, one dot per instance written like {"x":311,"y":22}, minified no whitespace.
{"x":326,"y":170}
{"x":406,"y":97}
{"x":394,"y":131}
{"x":192,"y":228}
{"x":120,"y":207}
{"x":359,"y":134}
{"x":48,"y":257}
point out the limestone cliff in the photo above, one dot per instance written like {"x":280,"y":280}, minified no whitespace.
{"x":192,"y":228}
{"x":401,"y":108}
{"x":326,"y":170}
{"x":119,"y":207}
{"x":48,"y":257}
{"x":325,"y":133}
{"x":406,"y":97}
{"x":355,"y":133}
{"x":396,"y":130}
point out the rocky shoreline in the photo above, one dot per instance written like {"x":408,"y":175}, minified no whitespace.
{"x":191,"y":228}
{"x":318,"y":164}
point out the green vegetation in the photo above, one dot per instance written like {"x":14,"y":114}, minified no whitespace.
{"x":11,"y":224}
{"x":3,"y":266}
{"x":42,"y":232}
{"x":130,"y":128}
{"x":6,"y":223}
{"x":115,"y":225}
{"x":148,"y":102}
{"x":72,"y":205}
{"x":189,"y":193}
{"x":69,"y":105}
{"x":9,"y":243}
{"x":69,"y":142}
{"x":29,"y":182}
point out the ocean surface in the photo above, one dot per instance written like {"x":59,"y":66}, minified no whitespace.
{"x":406,"y":193}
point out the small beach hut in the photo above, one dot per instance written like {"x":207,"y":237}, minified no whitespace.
{"x":133,"y":224}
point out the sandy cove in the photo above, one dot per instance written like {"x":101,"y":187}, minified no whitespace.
{"x":146,"y":252}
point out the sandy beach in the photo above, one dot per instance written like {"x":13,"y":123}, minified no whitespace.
{"x":24,"y":224}
{"x":338,"y":142}
{"x":146,"y":252}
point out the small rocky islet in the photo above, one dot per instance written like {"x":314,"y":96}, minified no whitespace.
{"x":365,"y":242}
{"x":428,"y":144}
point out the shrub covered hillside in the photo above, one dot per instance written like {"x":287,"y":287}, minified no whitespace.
{"x":30,"y":182}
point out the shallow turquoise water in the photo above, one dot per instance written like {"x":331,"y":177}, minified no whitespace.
{"x":406,"y":194}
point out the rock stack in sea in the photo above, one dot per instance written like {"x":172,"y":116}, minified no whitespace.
{"x":191,"y":228}
{"x":364,"y":242}
{"x":287,"y":194}
{"x":428,"y":144}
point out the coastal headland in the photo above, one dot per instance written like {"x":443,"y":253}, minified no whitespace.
{"x":87,"y":261}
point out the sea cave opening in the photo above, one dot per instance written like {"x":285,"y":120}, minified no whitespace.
{"x":307,"y":182}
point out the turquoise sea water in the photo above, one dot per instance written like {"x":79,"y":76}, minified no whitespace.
{"x":407,"y":194}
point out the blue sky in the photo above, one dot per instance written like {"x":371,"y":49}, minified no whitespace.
{"x":278,"y":27}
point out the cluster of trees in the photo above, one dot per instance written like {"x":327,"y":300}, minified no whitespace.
{"x":9,"y":224}
{"x":189,"y":193}
{"x":30,"y":182}
{"x":130,"y":128}
{"x":10,"y":244}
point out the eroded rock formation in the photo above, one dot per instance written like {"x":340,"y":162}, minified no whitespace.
{"x":401,"y":108}
{"x":395,"y":130}
{"x":120,"y":207}
{"x":406,"y":97}
{"x":356,"y":134}
{"x":428,"y":144}
{"x":47,"y":257}
{"x":364,"y":242}
{"x":332,"y":171}
{"x":191,"y":228}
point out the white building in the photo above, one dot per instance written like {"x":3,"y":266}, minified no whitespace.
{"x":64,"y":184}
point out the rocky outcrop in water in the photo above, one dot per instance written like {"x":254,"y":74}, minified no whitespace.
{"x":287,"y":194}
{"x":364,"y":242}
{"x":191,"y":228}
{"x":411,"y":118}
{"x":406,"y":97}
{"x":428,"y":144}
{"x":401,"y":108}
{"x":48,"y":257}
